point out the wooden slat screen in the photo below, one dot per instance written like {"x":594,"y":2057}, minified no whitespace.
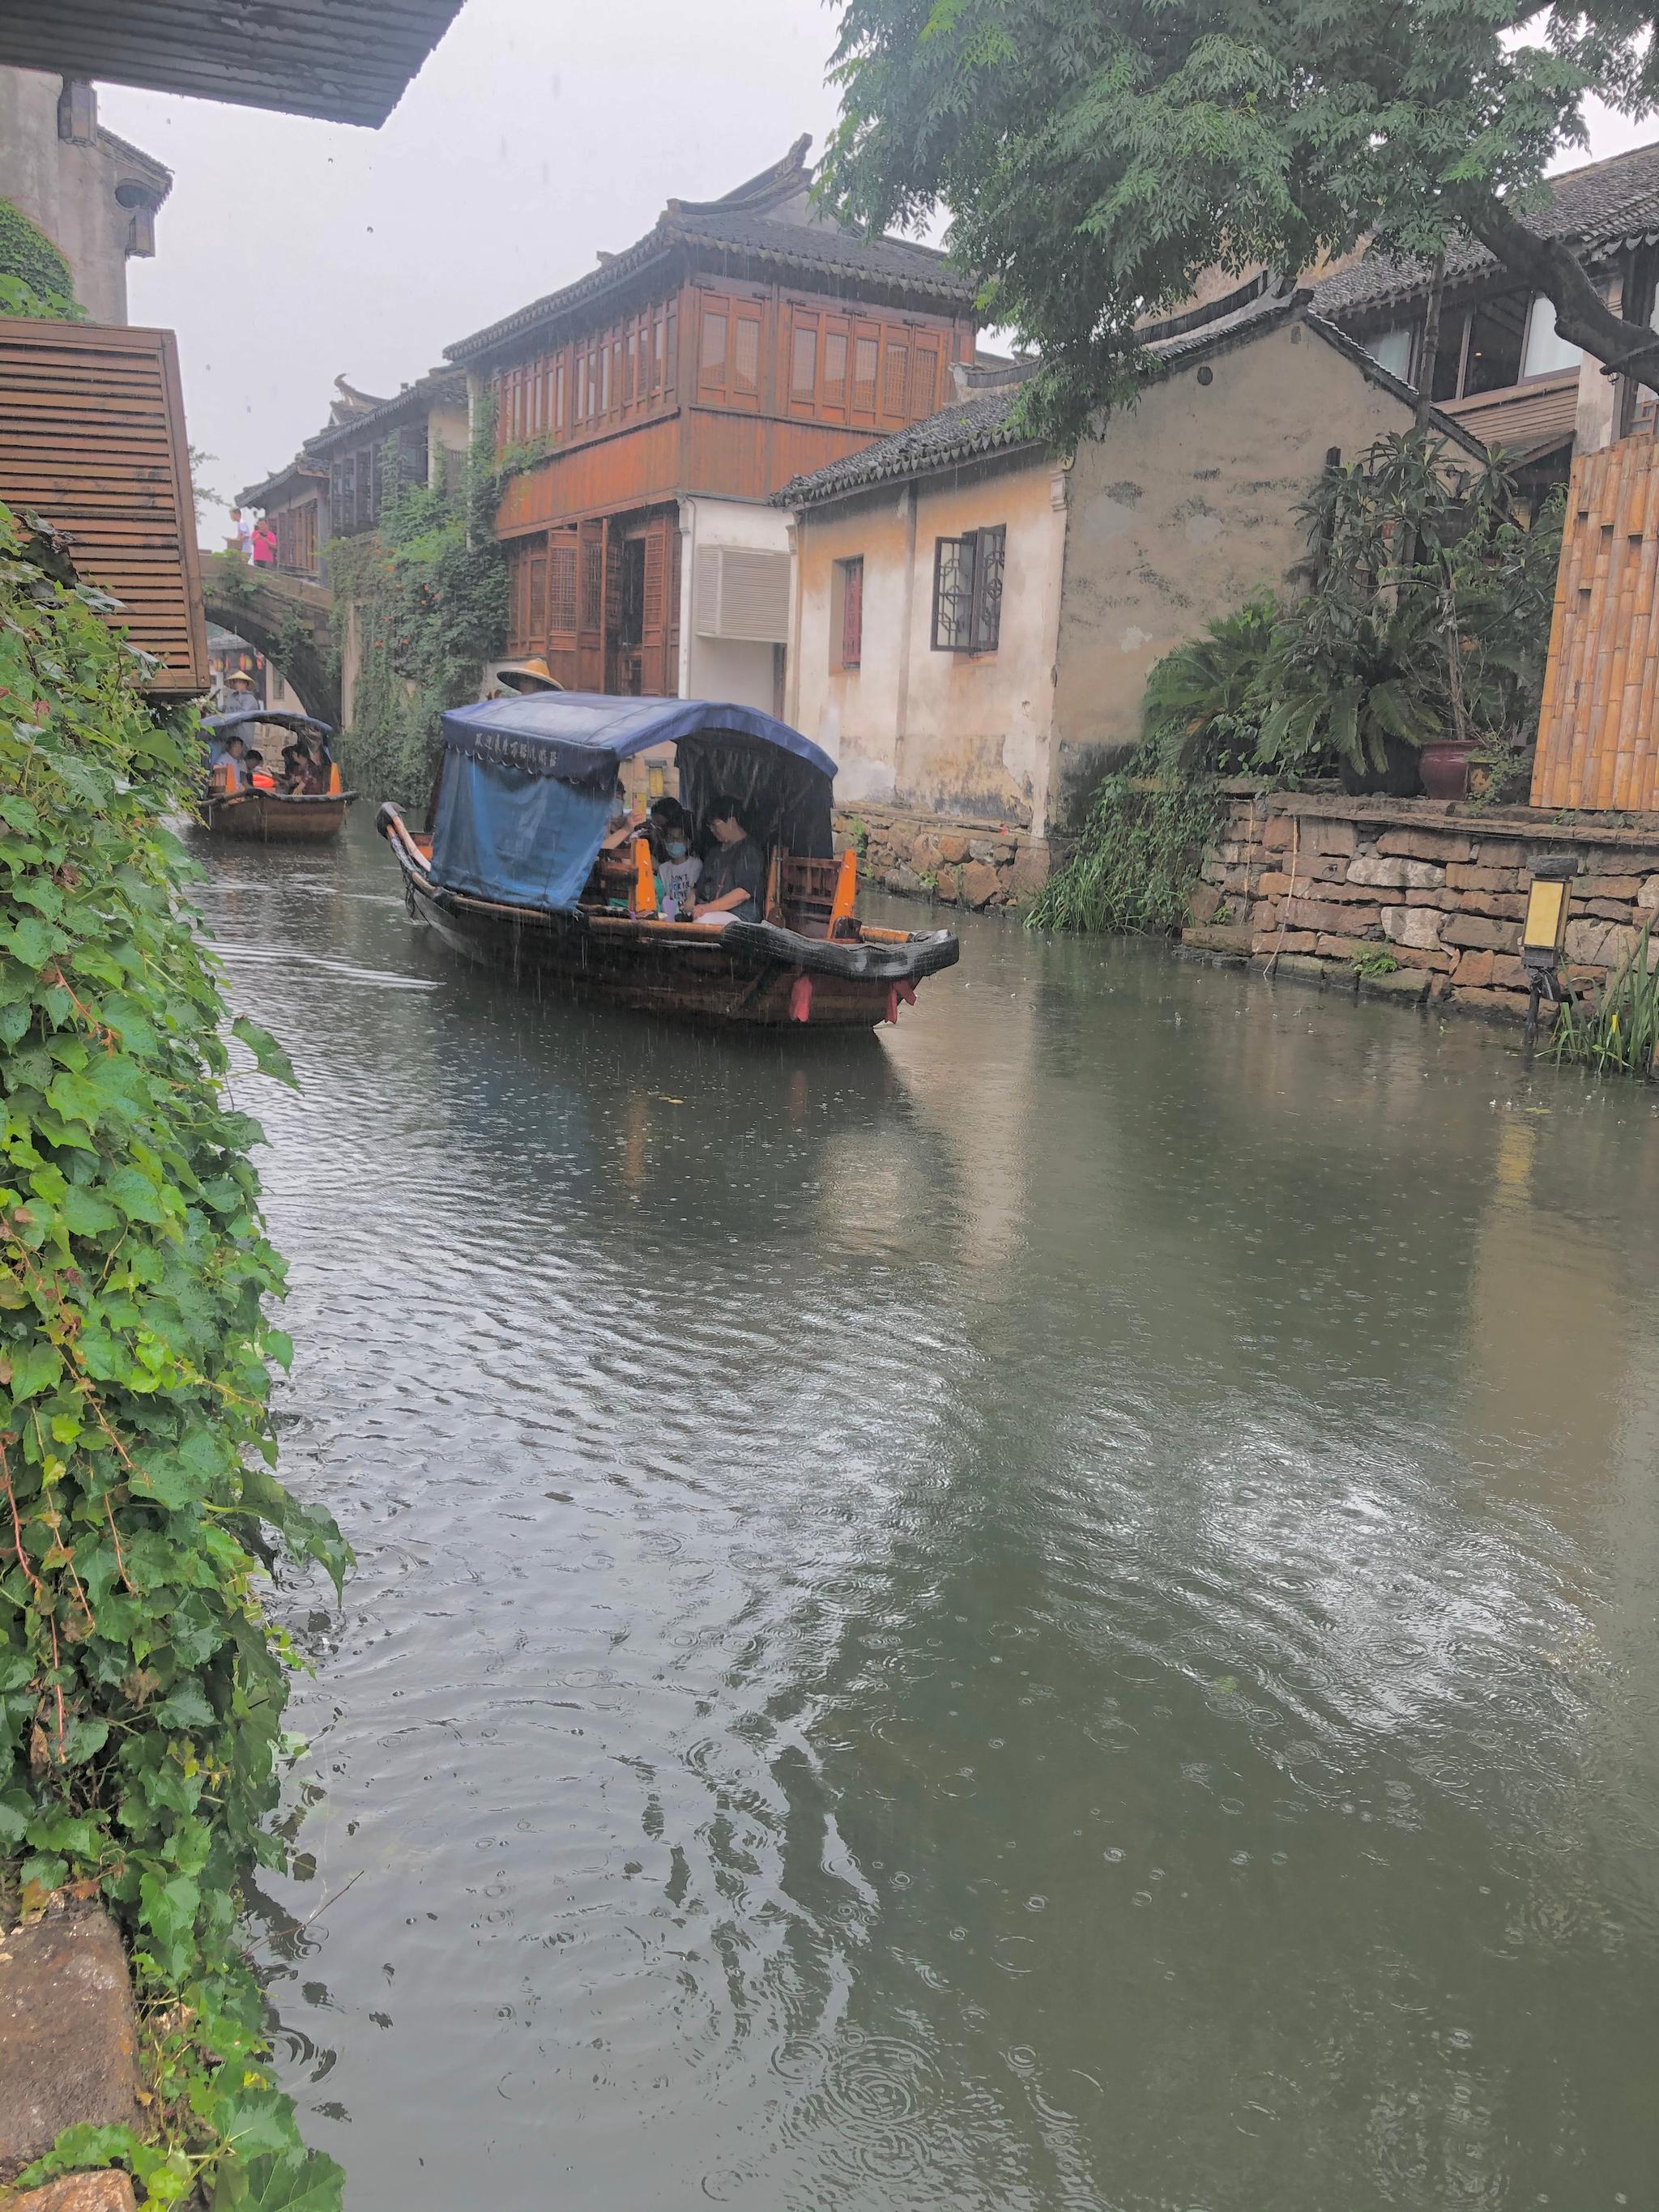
{"x":92,"y":438}
{"x":1598,"y":737}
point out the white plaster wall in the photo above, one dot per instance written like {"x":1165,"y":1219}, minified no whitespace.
{"x":854,"y":713}
{"x":67,"y":192}
{"x":954,"y":733}
{"x":722,"y":667}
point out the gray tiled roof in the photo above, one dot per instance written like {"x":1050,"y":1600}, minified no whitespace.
{"x":826,"y":245}
{"x":1597,"y":208}
{"x":982,"y":423}
{"x":440,"y":388}
{"x":742,"y":224}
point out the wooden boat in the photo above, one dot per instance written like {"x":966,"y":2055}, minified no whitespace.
{"x":274,"y":818}
{"x":279,"y":817}
{"x":805,"y":959}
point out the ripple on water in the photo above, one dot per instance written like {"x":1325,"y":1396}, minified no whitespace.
{"x":991,"y":1621}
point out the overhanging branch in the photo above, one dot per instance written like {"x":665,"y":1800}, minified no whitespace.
{"x":1581,"y":315}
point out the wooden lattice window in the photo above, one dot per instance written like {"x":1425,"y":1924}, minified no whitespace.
{"x":803,"y":363}
{"x":851,"y":581}
{"x":924,"y":379}
{"x":864,"y":376}
{"x":894,"y":378}
{"x":967,"y":591}
{"x":711,"y":371}
{"x":745,"y":354}
{"x":561,"y":588}
{"x":592,"y":580}
{"x":835,"y":369}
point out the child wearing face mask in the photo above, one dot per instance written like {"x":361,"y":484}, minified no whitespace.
{"x":678,"y":865}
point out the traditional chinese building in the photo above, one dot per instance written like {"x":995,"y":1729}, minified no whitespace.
{"x":974,"y":616}
{"x":650,"y":410}
{"x":371,"y":448}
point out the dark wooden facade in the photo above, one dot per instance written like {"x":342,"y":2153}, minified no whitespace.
{"x":92,"y":438}
{"x":724,"y":356}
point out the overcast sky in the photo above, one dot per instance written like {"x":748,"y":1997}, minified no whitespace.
{"x":292,"y":252}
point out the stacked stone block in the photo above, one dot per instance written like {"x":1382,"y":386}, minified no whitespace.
{"x":978,"y":864}
{"x":1318,"y":883}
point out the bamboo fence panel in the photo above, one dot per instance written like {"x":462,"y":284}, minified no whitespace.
{"x":1598,"y":739}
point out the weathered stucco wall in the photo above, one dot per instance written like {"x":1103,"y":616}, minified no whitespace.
{"x":1180,"y":511}
{"x":66,"y":191}
{"x":960,"y":734}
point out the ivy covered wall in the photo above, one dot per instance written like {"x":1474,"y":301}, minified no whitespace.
{"x":420,"y":606}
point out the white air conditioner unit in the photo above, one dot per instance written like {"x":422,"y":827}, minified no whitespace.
{"x":741,"y":594}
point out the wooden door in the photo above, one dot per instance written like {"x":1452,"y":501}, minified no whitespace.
{"x":614,"y":541}
{"x":590,"y":611}
{"x":564,"y":557}
{"x":656,"y":677}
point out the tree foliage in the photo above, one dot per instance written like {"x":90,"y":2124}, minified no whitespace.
{"x":142,"y":1686}
{"x":1094,"y":156}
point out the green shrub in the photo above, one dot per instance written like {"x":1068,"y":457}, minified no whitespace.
{"x":142,"y":1686}
{"x":1137,"y":856}
{"x":1619,"y":1035}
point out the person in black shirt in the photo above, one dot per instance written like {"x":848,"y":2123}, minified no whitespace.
{"x":733,"y":874}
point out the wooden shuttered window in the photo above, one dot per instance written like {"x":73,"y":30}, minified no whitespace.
{"x":657,"y":674}
{"x":864,"y":371}
{"x":296,"y":537}
{"x":967,"y":591}
{"x":601,"y":378}
{"x":92,"y":438}
{"x":730,"y":350}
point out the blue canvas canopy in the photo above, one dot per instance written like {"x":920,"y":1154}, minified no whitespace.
{"x":527,"y":784}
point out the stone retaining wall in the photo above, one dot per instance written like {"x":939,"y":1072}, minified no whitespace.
{"x":960,"y":863}
{"x":1322,"y":881}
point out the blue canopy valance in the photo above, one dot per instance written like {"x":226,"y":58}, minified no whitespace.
{"x":583,"y":736}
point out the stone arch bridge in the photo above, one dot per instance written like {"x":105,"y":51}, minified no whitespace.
{"x":287,"y":618}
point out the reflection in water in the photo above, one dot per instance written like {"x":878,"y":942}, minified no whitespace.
{"x":1050,"y":1610}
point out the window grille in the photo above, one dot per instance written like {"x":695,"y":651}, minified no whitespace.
{"x":967,"y":591}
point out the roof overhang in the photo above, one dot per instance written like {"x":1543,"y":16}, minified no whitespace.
{"x":344,"y":61}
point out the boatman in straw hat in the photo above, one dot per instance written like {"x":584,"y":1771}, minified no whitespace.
{"x":522,"y":677}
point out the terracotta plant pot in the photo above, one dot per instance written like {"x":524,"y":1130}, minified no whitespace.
{"x":1445,"y":769}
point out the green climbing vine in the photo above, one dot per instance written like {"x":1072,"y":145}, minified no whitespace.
{"x":142,"y":1683}
{"x":427,"y":593}
{"x":34,"y":277}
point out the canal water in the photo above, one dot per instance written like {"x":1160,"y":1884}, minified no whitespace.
{"x":1054,"y":1608}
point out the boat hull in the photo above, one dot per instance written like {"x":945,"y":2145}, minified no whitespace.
{"x":274,"y":817}
{"x":749,"y":975}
